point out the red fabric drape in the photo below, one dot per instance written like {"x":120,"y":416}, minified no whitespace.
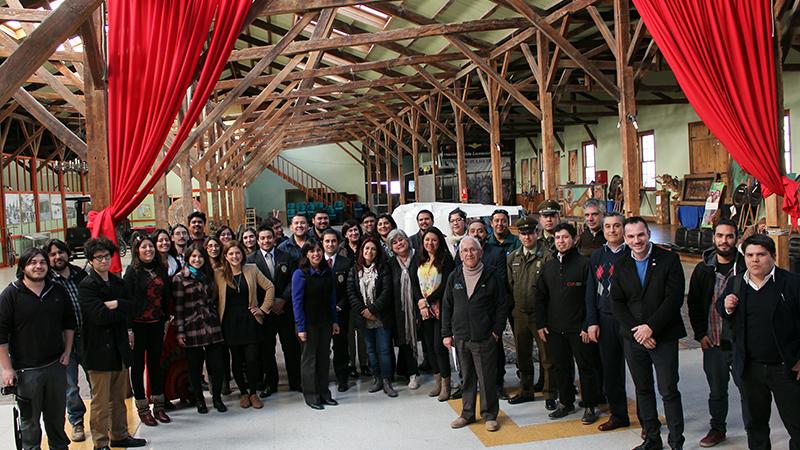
{"x":722,"y":54}
{"x":154,"y":47}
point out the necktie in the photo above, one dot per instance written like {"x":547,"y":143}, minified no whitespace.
{"x":330,"y":263}
{"x":270,"y":263}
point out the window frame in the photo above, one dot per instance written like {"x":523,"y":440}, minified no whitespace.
{"x":586,"y":165}
{"x":642,"y":162}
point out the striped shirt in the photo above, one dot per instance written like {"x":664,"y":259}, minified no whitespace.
{"x":71,"y":286}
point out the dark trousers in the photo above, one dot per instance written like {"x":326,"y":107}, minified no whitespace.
{"x":40,"y":392}
{"x":525,"y":334}
{"x":148,"y":341}
{"x":213,"y":356}
{"x":315,"y":362}
{"x":478,"y":362}
{"x":760,"y":383}
{"x":438,"y":356}
{"x":407,"y":360}
{"x":283,"y":327}
{"x":566,"y":347}
{"x":341,"y":349}
{"x":612,"y":356}
{"x":76,"y":409}
{"x":379,"y":350}
{"x":665,"y":360}
{"x":246,"y":358}
{"x":717,"y":364}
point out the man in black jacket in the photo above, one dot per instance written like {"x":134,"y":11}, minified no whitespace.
{"x":340,"y":265}
{"x":36,"y":329}
{"x":709,"y":278}
{"x":69,"y":277}
{"x":107,"y":343}
{"x":474,"y":314}
{"x":763,"y":306}
{"x":560,"y":317}
{"x":278,"y":266}
{"x":646,"y":298}
{"x":424,"y":221}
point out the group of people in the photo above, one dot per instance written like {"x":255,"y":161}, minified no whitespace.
{"x":598,"y":301}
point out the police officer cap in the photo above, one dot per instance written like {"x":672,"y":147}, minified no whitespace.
{"x":549,"y":207}
{"x":526,"y":225}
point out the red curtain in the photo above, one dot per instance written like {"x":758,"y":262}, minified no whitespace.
{"x":154,"y":47}
{"x":722,"y":54}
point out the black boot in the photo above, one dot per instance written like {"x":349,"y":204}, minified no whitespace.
{"x":200,"y":402}
{"x":218,"y":404}
{"x":377,"y":385}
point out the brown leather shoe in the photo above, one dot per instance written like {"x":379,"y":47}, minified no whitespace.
{"x":492,"y":425}
{"x":147,"y":418}
{"x":244,"y":401}
{"x":78,"y":433}
{"x":255,"y":402}
{"x":162,"y":416}
{"x":713,"y":438}
{"x":613,"y":424}
{"x":460,"y":422}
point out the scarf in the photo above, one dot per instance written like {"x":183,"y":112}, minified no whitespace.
{"x":367,"y":283}
{"x":471,"y":277}
{"x":196,"y":274}
{"x":407,"y":302}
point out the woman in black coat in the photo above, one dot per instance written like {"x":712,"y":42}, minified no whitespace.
{"x":369,"y":290}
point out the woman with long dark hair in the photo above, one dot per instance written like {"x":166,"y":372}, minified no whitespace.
{"x":213,"y":247}
{"x":166,"y":251}
{"x":383,"y":226}
{"x":224,"y":234}
{"x":242,"y":316}
{"x":148,"y":285}
{"x":434,"y":266}
{"x":250,"y":240}
{"x":314,"y":302}
{"x":405,"y":288}
{"x":199,"y":330}
{"x":370,"y":293}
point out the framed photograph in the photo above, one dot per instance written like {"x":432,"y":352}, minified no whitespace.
{"x":696,"y":187}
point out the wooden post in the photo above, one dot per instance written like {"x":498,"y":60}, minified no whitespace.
{"x":629,"y":140}
{"x":215,"y":200}
{"x":400,"y":156}
{"x":186,"y":186}
{"x":494,"y":142}
{"x":461,"y":160}
{"x":96,"y":133}
{"x":549,"y":161}
{"x":415,"y":152}
{"x":433,"y":109}
{"x":369,"y":173}
{"x":160,"y":198}
{"x":389,"y":202}
{"x":776,"y":218}
{"x":201,"y":180}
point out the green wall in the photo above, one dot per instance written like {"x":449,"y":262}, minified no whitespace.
{"x":329,"y":163}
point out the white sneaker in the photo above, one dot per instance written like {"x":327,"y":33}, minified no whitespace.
{"x":413,"y":384}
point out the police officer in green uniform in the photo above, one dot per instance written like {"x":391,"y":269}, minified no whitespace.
{"x":524,"y":265}
{"x":549,"y":217}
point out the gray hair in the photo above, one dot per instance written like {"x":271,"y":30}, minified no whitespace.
{"x":612,"y":214}
{"x":395,"y":234}
{"x":594,"y":202}
{"x":470,"y":238}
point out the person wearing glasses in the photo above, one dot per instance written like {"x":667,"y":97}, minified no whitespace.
{"x":501,"y":235}
{"x":458,"y":229}
{"x":549,"y":217}
{"x":424,"y":221}
{"x":107,"y":343}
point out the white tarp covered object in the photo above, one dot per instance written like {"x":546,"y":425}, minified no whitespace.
{"x":406,"y":215}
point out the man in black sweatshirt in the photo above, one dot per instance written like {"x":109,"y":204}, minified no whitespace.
{"x":560,"y":317}
{"x":37,"y":323}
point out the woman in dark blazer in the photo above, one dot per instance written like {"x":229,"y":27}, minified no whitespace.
{"x":198,"y":325}
{"x":369,"y":290}
{"x":148,"y":284}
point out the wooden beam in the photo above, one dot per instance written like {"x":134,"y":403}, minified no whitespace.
{"x":446,"y":92}
{"x":56,"y":128}
{"x":322,"y":31}
{"x":23,"y":14}
{"x":629,"y":140}
{"x":292,"y":6}
{"x":41,"y":43}
{"x":91,"y":32}
{"x":541,"y":24}
{"x":550,"y":164}
{"x":416,"y":107}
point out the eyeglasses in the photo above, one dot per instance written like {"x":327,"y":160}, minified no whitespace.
{"x":106,"y":257}
{"x":456,"y":220}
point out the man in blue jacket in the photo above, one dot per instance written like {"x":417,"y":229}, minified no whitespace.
{"x":763,"y":306}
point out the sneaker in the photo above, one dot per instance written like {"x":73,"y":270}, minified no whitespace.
{"x":561,"y":412}
{"x":460,"y":422}
{"x":413,"y":383}
{"x":492,"y":425}
{"x":78,"y":433}
{"x":713,"y":438}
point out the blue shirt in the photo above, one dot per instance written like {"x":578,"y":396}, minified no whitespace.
{"x":299,"y":292}
{"x":641,"y":266}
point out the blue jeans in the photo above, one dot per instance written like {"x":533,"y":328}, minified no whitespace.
{"x":379,"y":350}
{"x":75,"y":407}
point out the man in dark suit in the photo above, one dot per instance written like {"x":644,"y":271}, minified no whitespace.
{"x":278,"y":267}
{"x":646,"y":298}
{"x":763,"y":306}
{"x":340,"y":265}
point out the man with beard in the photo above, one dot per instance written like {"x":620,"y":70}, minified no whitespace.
{"x":708,"y":281}
{"x":37,"y":322}
{"x":180,"y":238}
{"x":592,"y":237}
{"x":69,"y":276}
{"x":197,"y":227}
{"x":321,"y":222}
{"x":424,"y":221}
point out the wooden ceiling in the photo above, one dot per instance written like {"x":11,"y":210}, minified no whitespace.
{"x":386,"y":73}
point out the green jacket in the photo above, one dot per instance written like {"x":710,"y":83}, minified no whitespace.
{"x":523,"y":272}
{"x":509,"y":244}
{"x":548,"y":242}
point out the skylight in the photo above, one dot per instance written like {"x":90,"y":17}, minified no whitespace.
{"x":367,"y":15}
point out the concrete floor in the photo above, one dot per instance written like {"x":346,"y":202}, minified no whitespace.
{"x":364,"y":420}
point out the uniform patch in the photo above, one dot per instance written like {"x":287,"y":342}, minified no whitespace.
{"x":284,"y":269}
{"x":340,"y":278}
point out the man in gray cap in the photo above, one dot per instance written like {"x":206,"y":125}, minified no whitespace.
{"x":549,"y":217}
{"x":524,"y":265}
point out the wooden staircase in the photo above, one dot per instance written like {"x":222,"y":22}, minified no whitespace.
{"x":312,"y":186}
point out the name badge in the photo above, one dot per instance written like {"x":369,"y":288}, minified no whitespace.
{"x":458,"y":286}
